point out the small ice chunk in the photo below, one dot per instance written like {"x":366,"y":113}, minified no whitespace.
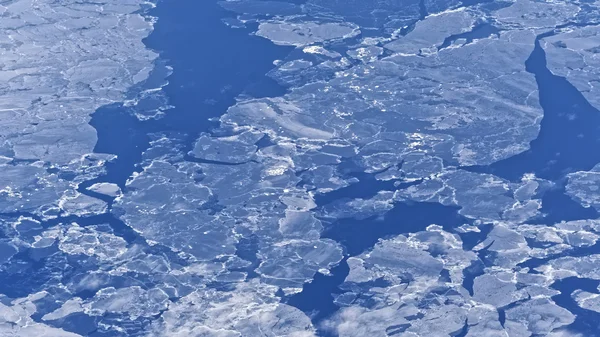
{"x":322,"y":51}
{"x":587,"y":300}
{"x":110,"y":189}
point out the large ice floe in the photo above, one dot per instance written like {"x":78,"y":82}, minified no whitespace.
{"x":393,"y":111}
{"x":61,"y":62}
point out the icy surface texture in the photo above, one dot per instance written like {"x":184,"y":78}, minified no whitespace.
{"x":367,"y":197}
{"x":60,"y":62}
{"x":584,"y":187}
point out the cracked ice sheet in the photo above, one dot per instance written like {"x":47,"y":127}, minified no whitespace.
{"x":512,"y":243}
{"x":56,"y":71}
{"x":508,"y":246}
{"x":75,"y":239}
{"x":130,"y":283}
{"x":587,"y":300}
{"x":60,"y":63}
{"x":484,"y":197}
{"x":531,"y":14}
{"x":34,"y":188}
{"x":583,"y":187}
{"x":370,"y":306}
{"x":134,"y":302}
{"x":390,"y":15}
{"x":426,"y":95}
{"x":405,"y":104}
{"x":15,"y":319}
{"x":396,"y":288}
{"x":364,"y":108}
{"x":203,"y":209}
{"x":233,"y":149}
{"x":431,"y":32}
{"x":505,"y":248}
{"x":103,"y":256}
{"x":305,"y":33}
{"x":570,"y":266}
{"x":167,"y":195}
{"x":250,"y":310}
{"x":411,"y":277}
{"x":82,"y":205}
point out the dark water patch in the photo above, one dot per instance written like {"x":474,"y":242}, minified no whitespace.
{"x":247,"y":249}
{"x":15,"y":215}
{"x":119,"y":133}
{"x":212,"y":63}
{"x":469,"y":3}
{"x":475,"y":269}
{"x":502,"y":317}
{"x":189,"y":158}
{"x":472,"y":239}
{"x":317,"y":297}
{"x":295,"y":2}
{"x":397,"y":329}
{"x":445,"y":275}
{"x":78,"y":323}
{"x":24,"y":274}
{"x":462,"y":332}
{"x":262,"y":9}
{"x":264,"y":142}
{"x":408,"y":28}
{"x":422,"y":10}
{"x":490,"y":6}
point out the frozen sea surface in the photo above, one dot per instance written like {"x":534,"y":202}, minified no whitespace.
{"x":299,"y":168}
